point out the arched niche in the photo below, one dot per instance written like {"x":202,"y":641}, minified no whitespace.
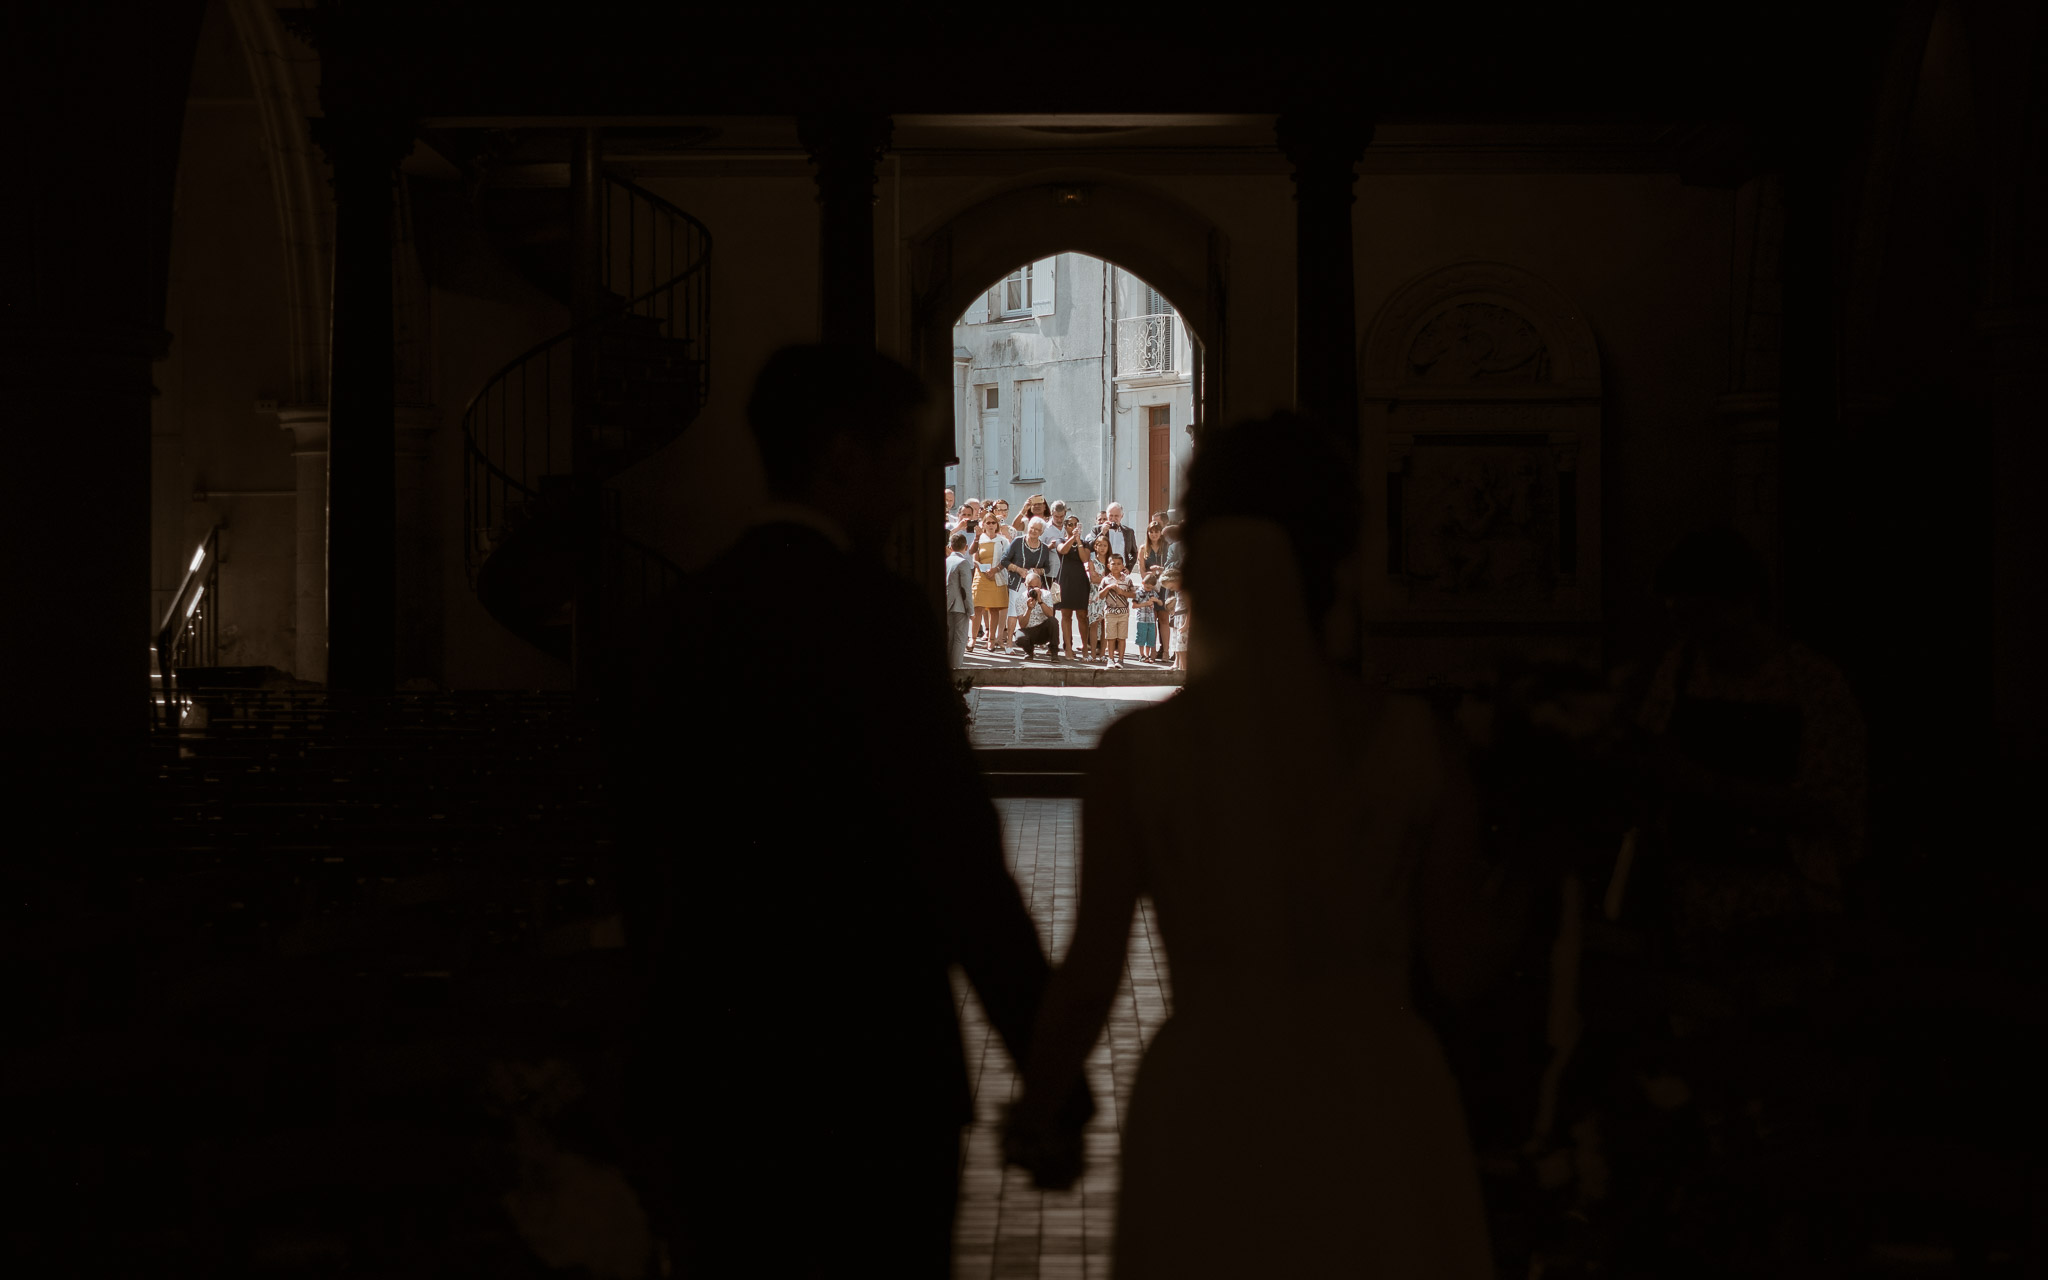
{"x":1480,"y":424}
{"x":958,"y":257}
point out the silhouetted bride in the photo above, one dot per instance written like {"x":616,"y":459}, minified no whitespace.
{"x":1293,"y":1117}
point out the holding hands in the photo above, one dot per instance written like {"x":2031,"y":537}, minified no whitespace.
{"x":1045,"y":1143}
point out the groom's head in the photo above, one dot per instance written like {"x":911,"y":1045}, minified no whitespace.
{"x":837,"y":429}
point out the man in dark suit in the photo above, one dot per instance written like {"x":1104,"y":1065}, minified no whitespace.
{"x":807,"y":848}
{"x":1123,"y":540}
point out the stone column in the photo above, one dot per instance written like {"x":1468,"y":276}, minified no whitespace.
{"x":1810,"y":454}
{"x":845,"y":149}
{"x":1324,"y":146}
{"x":1750,"y":410}
{"x":78,"y":395}
{"x":308,"y":425}
{"x":85,"y":260}
{"x":364,"y":147}
{"x":419,"y":554}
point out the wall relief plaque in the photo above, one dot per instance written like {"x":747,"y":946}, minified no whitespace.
{"x":1481,"y":526}
{"x":1480,"y":416}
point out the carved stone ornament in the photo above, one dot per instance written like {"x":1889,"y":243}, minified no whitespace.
{"x":1471,"y":342}
{"x":1480,"y":408}
{"x":1474,"y":323}
{"x":1482,"y":526}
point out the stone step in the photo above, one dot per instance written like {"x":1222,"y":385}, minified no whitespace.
{"x":982,"y":670}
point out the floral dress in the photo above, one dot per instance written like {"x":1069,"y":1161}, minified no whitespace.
{"x":1097,"y":571}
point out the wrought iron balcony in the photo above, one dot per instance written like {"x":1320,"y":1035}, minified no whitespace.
{"x":1144,"y":345}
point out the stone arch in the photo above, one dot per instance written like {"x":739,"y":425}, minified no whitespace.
{"x":1480,"y":423}
{"x":1175,"y":250}
{"x":961,"y":254}
{"x":283,"y":72}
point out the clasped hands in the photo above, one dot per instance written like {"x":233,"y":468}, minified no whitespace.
{"x":1046,"y":1139}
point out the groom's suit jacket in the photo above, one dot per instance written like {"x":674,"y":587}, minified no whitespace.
{"x":808,"y":847}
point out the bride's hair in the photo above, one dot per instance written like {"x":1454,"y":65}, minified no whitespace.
{"x":1292,"y":471}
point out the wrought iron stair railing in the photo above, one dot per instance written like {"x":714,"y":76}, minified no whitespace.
{"x":189,"y":635}
{"x":644,"y":370}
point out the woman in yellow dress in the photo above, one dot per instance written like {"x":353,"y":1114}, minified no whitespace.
{"x":991,"y":580}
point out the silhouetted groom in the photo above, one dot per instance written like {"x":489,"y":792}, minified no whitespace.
{"x":807,"y":848}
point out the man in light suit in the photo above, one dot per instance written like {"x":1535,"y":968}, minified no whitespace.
{"x":959,"y":599}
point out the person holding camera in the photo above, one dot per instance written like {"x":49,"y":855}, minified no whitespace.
{"x":1026,"y":555}
{"x":1040,"y":626}
{"x":1122,"y":538}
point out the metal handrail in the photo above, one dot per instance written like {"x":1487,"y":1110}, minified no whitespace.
{"x":185,"y":622}
{"x":468,"y":435}
{"x":642,"y":238}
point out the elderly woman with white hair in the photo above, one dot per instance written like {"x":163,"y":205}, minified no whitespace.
{"x":1029,"y":552}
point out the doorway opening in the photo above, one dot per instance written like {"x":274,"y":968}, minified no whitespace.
{"x":1076,"y":384}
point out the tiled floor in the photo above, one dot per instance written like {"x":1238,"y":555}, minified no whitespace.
{"x":1006,"y":1227}
{"x":1008,"y":716}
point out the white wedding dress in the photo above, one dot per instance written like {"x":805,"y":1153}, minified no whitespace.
{"x":1293,"y":1118}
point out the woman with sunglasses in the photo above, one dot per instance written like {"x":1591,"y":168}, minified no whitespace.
{"x":991,"y":580}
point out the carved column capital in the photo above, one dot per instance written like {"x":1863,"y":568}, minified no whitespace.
{"x":845,"y":147}
{"x":373,"y":54}
{"x":308,"y":425}
{"x":1324,"y":144}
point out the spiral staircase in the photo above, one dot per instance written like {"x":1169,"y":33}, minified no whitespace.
{"x":545,"y":436}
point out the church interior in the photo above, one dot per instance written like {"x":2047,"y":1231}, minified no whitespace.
{"x":400,"y":345}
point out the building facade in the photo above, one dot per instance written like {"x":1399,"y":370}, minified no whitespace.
{"x":1073,"y":378}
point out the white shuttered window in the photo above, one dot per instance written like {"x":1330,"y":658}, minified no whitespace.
{"x":1014,"y":293}
{"x":1041,"y":286}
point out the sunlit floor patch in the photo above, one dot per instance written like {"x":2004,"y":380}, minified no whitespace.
{"x":1006,"y":1226}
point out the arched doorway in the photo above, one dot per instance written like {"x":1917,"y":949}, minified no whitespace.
{"x":1074,"y":379}
{"x":956,"y":263}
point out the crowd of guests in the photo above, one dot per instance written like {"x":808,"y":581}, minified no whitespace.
{"x":1041,"y":577}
